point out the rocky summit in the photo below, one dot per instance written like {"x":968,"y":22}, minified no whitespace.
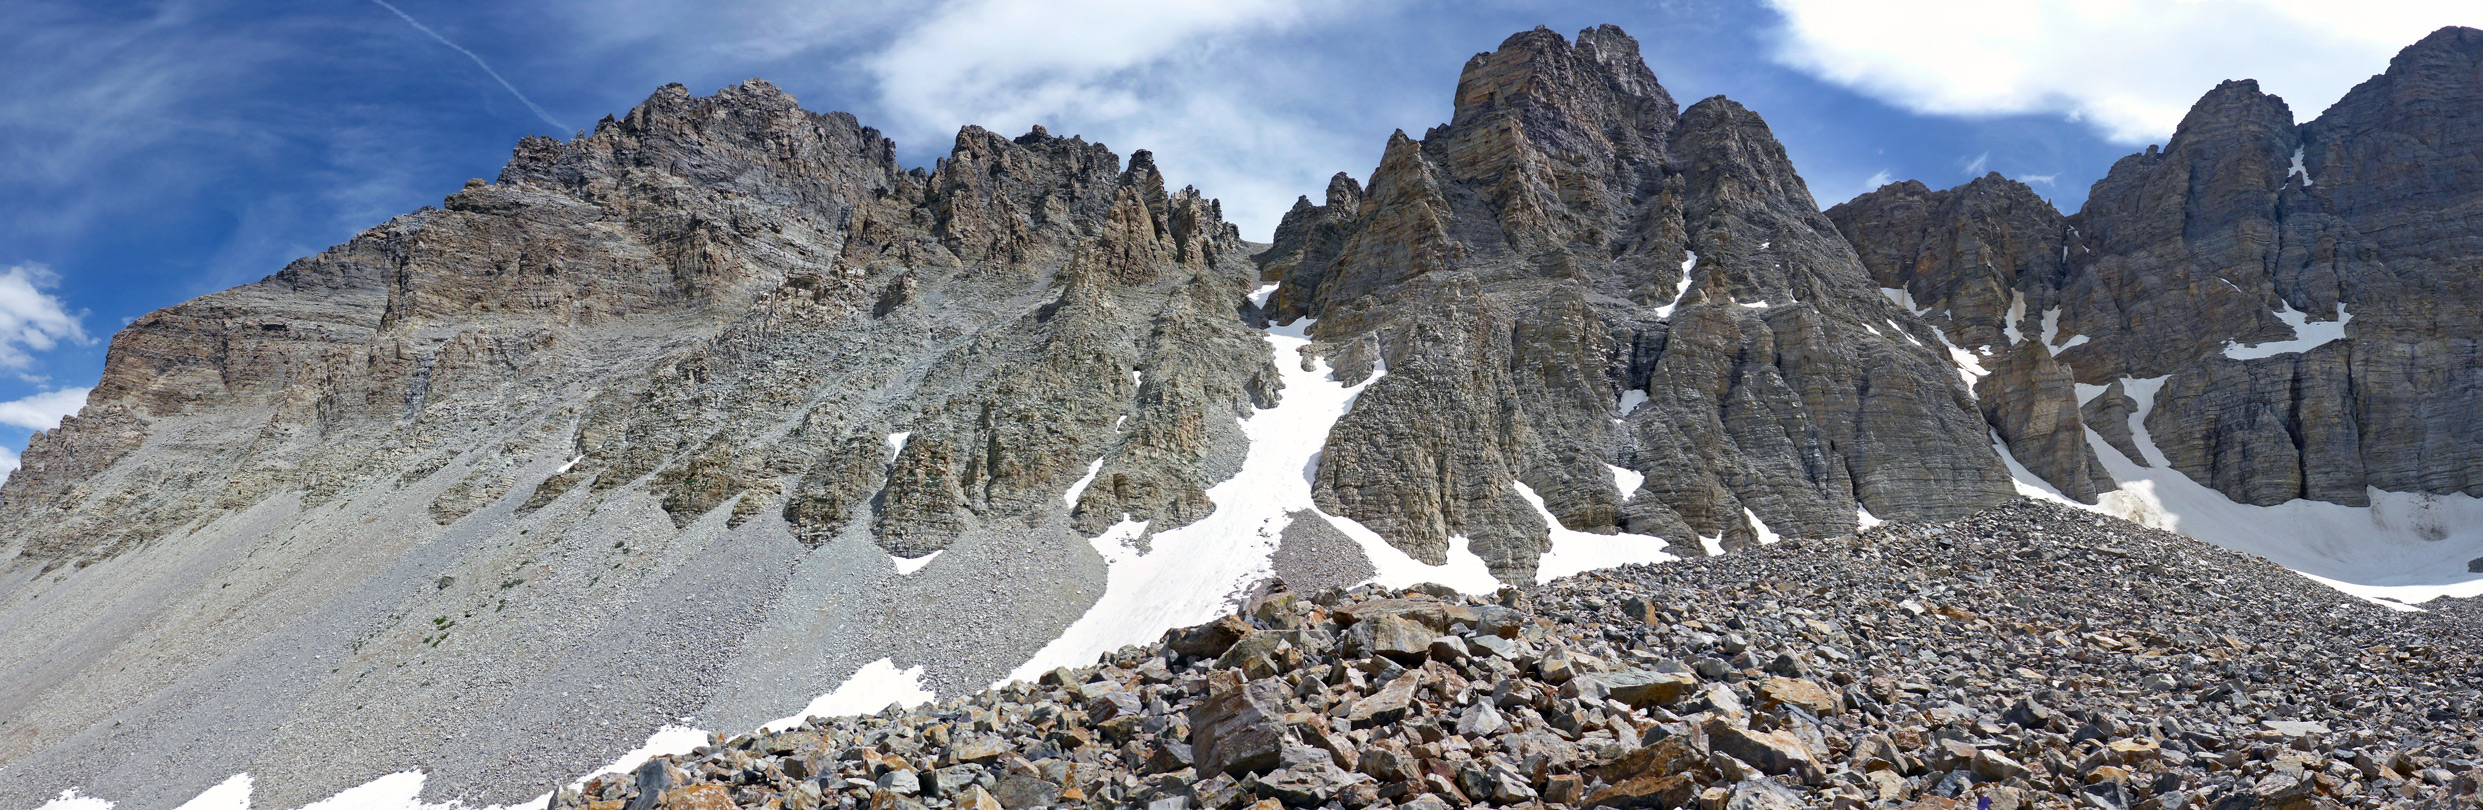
{"x":716,"y":412}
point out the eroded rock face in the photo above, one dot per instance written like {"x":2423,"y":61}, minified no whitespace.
{"x":2245,"y":229}
{"x":1515,"y":272}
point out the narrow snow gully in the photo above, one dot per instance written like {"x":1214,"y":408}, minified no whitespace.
{"x":1197,"y":572}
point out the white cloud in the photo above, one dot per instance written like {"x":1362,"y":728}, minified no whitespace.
{"x":8,"y":462}
{"x":1877,"y":179}
{"x":2046,"y":179}
{"x":2130,"y":68}
{"x":31,"y":319}
{"x":42,"y":411}
{"x":1974,"y":168}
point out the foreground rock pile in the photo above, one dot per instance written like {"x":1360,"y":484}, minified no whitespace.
{"x":2029,"y":656}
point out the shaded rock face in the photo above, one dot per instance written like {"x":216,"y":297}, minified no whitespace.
{"x":2244,"y":229}
{"x":1516,"y":272}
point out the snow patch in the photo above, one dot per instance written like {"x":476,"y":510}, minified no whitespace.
{"x":231,"y":794}
{"x":1759,"y":527}
{"x":2405,"y":548}
{"x":1753,"y":304}
{"x":906,"y":566}
{"x":1576,"y":552}
{"x":2307,"y":335}
{"x":1909,"y":336}
{"x":1627,"y":480}
{"x":72,"y":800}
{"x":564,"y":469}
{"x":1902,"y":297}
{"x":2017,"y":312}
{"x":873,"y":687}
{"x":1079,"y":487}
{"x":1683,"y":289}
{"x":1630,"y":400}
{"x":1863,"y":521}
{"x":896,"y":443}
{"x":2299,"y":169}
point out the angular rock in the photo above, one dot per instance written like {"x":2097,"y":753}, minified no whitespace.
{"x":1237,"y":728}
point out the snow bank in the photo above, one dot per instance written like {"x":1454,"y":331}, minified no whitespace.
{"x":2308,"y":334}
{"x":1576,"y":552}
{"x":906,"y":566}
{"x":2404,"y":548}
{"x":232,"y":794}
{"x":871,"y":689}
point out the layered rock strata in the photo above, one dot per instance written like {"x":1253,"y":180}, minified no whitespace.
{"x":2307,"y":291}
{"x":1574,"y":275}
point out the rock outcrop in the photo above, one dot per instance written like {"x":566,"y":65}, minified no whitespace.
{"x":2306,"y":292}
{"x":1569,"y":244}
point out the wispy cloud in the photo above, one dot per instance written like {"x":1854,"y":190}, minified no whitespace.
{"x":2129,"y":68}
{"x":478,"y":62}
{"x":31,"y":319}
{"x":1975,"y":167}
{"x":42,"y":411}
{"x":2046,"y":179}
{"x":1877,"y":179}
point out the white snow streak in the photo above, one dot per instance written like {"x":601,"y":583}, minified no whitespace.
{"x":1683,"y":290}
{"x":2299,"y":169}
{"x":1759,"y":527}
{"x":2307,"y":335}
{"x":1195,"y":573}
{"x":1079,"y":488}
{"x":1575,"y":551}
{"x":896,"y":443}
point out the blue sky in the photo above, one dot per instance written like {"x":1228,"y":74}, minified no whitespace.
{"x":152,"y":152}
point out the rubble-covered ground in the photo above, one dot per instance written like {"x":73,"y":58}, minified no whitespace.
{"x":2030,"y":656}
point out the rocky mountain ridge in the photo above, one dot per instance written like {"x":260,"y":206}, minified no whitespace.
{"x":707,"y":411}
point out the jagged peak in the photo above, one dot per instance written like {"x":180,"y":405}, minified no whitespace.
{"x":2454,"y":40}
{"x":1342,"y":189}
{"x":1597,"y":75}
{"x":2233,"y":106}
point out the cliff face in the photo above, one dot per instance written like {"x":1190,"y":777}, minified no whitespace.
{"x":2307,"y":293}
{"x":1570,"y":275}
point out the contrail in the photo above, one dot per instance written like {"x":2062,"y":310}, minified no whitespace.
{"x":478,"y":62}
